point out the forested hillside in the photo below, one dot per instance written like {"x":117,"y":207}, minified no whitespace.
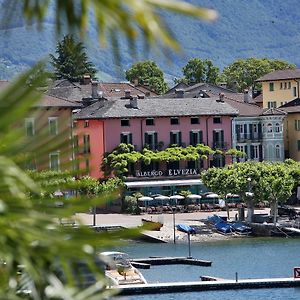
{"x":259,"y":28}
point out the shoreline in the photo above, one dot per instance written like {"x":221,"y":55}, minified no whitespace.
{"x":166,"y":233}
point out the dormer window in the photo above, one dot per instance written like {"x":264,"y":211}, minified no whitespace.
{"x":150,"y":122}
{"x":125,"y":122}
{"x":174,"y":121}
{"x":217,"y":120}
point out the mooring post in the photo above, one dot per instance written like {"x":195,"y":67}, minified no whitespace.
{"x":236,"y":276}
{"x":189,"y":242}
{"x":174,"y":226}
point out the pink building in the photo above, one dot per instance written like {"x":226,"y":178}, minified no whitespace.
{"x":157,"y":123}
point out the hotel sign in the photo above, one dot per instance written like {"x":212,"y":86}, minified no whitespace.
{"x":170,"y":172}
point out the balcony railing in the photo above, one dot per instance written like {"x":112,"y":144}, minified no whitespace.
{"x":220,"y":145}
{"x":248,"y":137}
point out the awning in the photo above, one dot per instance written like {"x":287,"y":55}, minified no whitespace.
{"x":151,"y":183}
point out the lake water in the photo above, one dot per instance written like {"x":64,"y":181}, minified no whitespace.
{"x":250,"y":257}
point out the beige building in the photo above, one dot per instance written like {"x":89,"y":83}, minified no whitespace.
{"x":280,"y":87}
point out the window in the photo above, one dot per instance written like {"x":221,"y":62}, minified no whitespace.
{"x":217,"y":120}
{"x":271,"y":86}
{"x":87,"y":165}
{"x":76,"y":144}
{"x":150,"y":122}
{"x":175,"y":138}
{"x":277,"y":151}
{"x":54,"y":161}
{"x":281,"y":85}
{"x":272,"y":104}
{"x":53,"y":125}
{"x":269,"y":127}
{"x":277,"y":127}
{"x":151,"y":140}
{"x":86,"y":124}
{"x":196,"y":137}
{"x":290,"y":85}
{"x":195,"y":120}
{"x":86,"y":144}
{"x":298,"y":143}
{"x":29,"y":127}
{"x":174,"y":121}
{"x":126,"y":138}
{"x":255,"y":152}
{"x":125,"y":122}
{"x":297,"y":125}
{"x":285,"y":85}
{"x":218,"y":139}
{"x":295,"y":91}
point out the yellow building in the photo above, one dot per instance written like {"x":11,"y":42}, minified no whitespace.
{"x":280,"y":87}
{"x":292,"y":129}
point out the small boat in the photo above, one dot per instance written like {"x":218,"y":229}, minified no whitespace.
{"x":240,"y":228}
{"x":186,"y":228}
{"x":155,"y":226}
{"x":214,"y":219}
{"x":120,"y":271}
{"x":224,"y":228}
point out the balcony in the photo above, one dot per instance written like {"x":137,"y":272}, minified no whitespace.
{"x":220,"y":145}
{"x":245,"y":137}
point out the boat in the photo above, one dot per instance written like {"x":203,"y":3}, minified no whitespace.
{"x":224,"y":228}
{"x":120,"y":271}
{"x":186,"y":228}
{"x":214,"y":219}
{"x":241,"y":229}
{"x":155,"y":226}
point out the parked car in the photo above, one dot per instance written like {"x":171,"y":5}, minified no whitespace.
{"x":285,"y":210}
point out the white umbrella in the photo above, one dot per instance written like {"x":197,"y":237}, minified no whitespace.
{"x":145,"y":198}
{"x":162,"y":198}
{"x":176,"y":197}
{"x":212,"y":196}
{"x":229,"y":195}
{"x":194,"y":197}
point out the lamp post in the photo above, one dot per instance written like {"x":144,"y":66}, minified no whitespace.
{"x":94,"y":215}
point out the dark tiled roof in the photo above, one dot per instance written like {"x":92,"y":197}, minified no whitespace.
{"x":179,"y":85}
{"x":281,"y":75}
{"x":258,"y":99}
{"x":50,"y":101}
{"x":292,"y":106}
{"x":209,"y":87}
{"x":155,"y":107}
{"x":244,"y":109}
{"x":117,"y":90}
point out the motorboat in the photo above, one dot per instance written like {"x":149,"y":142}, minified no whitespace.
{"x":224,"y":228}
{"x":119,"y":269}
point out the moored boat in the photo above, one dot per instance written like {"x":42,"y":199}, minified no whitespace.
{"x":152,"y":224}
{"x":120,"y":271}
{"x":186,"y":228}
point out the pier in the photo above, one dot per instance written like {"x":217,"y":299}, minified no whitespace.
{"x":173,"y":261}
{"x":198,"y":286}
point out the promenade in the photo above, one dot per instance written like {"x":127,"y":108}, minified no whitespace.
{"x":166,"y":233}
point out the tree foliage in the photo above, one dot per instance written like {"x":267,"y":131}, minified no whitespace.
{"x":242,"y":73}
{"x":272,"y":182}
{"x":71,"y":62}
{"x":149,"y":74}
{"x":198,"y":70}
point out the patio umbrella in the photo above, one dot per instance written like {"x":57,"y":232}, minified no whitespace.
{"x":162,"y":198}
{"x":212,"y":196}
{"x":193,"y":197}
{"x":176,"y":197}
{"x":145,"y":198}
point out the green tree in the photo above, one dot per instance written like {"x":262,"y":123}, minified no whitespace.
{"x":242,"y":73}
{"x":71,"y":62}
{"x":147,"y":73}
{"x":198,"y":70}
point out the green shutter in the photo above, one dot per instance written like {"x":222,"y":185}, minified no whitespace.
{"x":200,"y":141}
{"x":179,"y":138}
{"x":130,"y":138}
{"x":171,"y":138}
{"x":191,"y":138}
{"x":298,"y":145}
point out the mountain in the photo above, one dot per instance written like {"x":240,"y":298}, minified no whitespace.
{"x":256,"y":28}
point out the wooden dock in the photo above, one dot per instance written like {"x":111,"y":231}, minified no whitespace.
{"x":173,"y":261}
{"x":198,"y":286}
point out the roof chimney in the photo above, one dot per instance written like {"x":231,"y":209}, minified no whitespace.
{"x":221,"y":97}
{"x":133,"y":102}
{"x":86,"y":79}
{"x":136,"y":82}
{"x":127,"y":94}
{"x":95,"y":89}
{"x":246,"y":96}
{"x":179,"y":93}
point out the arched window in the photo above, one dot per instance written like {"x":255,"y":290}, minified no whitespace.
{"x":269,"y":127}
{"x":277,"y":151}
{"x":277,"y":127}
